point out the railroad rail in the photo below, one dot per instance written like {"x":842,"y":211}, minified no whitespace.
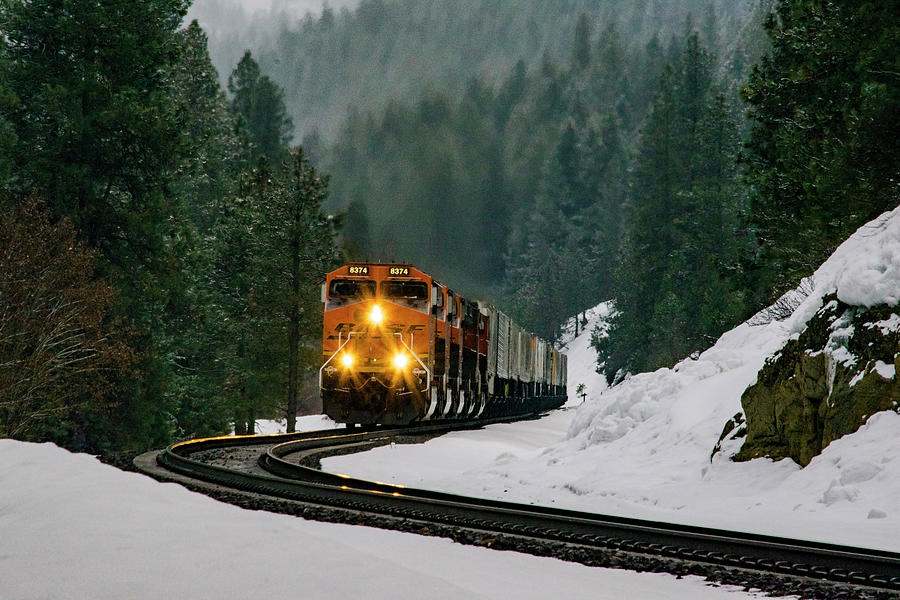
{"x":285,"y":466}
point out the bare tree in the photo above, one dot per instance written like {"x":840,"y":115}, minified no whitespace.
{"x":57,"y":349}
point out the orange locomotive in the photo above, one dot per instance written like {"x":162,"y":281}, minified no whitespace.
{"x":400,"y":347}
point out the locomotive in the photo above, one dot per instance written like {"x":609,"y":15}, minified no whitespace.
{"x":399,"y":347}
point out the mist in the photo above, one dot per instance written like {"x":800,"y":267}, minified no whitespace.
{"x":234,"y":26}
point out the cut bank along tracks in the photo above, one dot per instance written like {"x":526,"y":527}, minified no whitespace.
{"x":284,"y":468}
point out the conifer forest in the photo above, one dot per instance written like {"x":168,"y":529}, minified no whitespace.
{"x":171,"y":196}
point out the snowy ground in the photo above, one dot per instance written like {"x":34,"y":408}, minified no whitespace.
{"x":73,"y":528}
{"x":642,"y":448}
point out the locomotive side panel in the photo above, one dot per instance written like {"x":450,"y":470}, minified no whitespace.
{"x":503,"y":350}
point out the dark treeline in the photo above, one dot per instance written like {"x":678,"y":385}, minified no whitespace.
{"x":160,"y":246}
{"x":567,"y":182}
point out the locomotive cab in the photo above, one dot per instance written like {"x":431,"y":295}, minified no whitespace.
{"x":375,"y":344}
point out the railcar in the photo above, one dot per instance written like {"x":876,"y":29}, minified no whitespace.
{"x":399,"y":347}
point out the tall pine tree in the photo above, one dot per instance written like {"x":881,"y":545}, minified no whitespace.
{"x":824,"y":148}
{"x":260,"y":103}
{"x":100,"y":139}
{"x":677,"y":283}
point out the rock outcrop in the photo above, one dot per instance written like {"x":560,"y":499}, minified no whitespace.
{"x":825,"y":383}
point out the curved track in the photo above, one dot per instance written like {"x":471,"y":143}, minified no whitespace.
{"x":284,"y":466}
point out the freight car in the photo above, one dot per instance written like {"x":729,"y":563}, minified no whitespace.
{"x":399,"y":347}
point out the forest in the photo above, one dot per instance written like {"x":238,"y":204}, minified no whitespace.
{"x":163,"y":234}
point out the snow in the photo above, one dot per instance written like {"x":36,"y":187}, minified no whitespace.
{"x":643,"y":448}
{"x":75,"y":528}
{"x":885,"y":370}
{"x":584,"y":372}
{"x":886,"y":326}
{"x":307,"y":423}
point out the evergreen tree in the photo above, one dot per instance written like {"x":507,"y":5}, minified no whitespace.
{"x":98,"y":136}
{"x":205,"y":180}
{"x":305,"y":250}
{"x":356,"y":232}
{"x":581,"y":48}
{"x":7,"y":132}
{"x":246,"y":330}
{"x":275,"y":246}
{"x":539,"y":270}
{"x":217,"y":152}
{"x":260,"y":102}
{"x":824,"y":146}
{"x":677,"y":287}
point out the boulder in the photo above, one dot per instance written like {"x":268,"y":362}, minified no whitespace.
{"x":823,"y":384}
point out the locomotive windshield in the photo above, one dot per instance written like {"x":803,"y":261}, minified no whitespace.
{"x":348,"y":291}
{"x":410,"y":293}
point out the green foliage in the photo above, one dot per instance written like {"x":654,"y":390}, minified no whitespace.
{"x":424,"y":180}
{"x":548,"y":162}
{"x":390,"y":49}
{"x":99,"y":138}
{"x":825,"y":141}
{"x":678,"y":286}
{"x":7,"y":132}
{"x":128,"y":134}
{"x":527,"y":178}
{"x":273,"y":247}
{"x":204,"y":181}
{"x":260,"y":104}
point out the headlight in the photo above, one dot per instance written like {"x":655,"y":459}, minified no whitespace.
{"x":376,"y":316}
{"x":401,"y":360}
{"x":347,"y":360}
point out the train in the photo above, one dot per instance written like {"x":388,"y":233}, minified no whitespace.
{"x":399,"y":347}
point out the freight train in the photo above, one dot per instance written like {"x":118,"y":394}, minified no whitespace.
{"x":399,"y":347}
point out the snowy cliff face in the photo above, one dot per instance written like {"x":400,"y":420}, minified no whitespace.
{"x":839,"y":365}
{"x":825,"y":383}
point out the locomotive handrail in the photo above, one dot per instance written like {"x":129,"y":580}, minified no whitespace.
{"x":418,"y":360}
{"x":331,"y":358}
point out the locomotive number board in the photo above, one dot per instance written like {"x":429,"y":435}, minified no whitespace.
{"x":358,"y":270}
{"x":399,"y":272}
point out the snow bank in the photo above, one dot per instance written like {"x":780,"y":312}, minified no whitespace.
{"x":582,"y":372}
{"x":864,"y":270}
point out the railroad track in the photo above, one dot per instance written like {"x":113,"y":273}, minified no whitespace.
{"x":285,"y":467}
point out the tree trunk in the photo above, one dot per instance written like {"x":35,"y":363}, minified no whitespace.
{"x":294,"y":320}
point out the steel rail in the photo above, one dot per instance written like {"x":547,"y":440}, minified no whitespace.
{"x":290,"y":480}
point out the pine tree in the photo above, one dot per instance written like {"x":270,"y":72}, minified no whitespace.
{"x":824,"y":145}
{"x":307,"y":249}
{"x":581,"y":48}
{"x":7,"y":133}
{"x":99,"y":138}
{"x":274,"y":248}
{"x":206,"y":180}
{"x":260,"y":102}
{"x":678,"y":281}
